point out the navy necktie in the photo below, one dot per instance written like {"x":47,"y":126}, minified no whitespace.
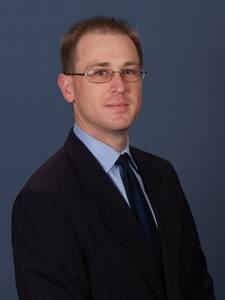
{"x":139,"y":205}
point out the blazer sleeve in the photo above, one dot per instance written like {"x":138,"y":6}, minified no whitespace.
{"x":195,"y":280}
{"x":48,"y":257}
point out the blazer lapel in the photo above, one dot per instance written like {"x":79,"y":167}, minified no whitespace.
{"x":114,"y":212}
{"x":164,"y":206}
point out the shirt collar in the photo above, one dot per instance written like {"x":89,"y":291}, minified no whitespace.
{"x":106,"y":155}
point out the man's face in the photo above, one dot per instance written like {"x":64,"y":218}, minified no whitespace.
{"x":105,"y":109}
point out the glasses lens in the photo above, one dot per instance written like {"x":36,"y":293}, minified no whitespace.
{"x":99,"y":75}
{"x":132,"y":74}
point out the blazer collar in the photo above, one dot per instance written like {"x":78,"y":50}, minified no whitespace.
{"x":114,"y":212}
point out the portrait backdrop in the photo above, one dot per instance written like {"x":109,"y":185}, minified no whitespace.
{"x":182,"y":117}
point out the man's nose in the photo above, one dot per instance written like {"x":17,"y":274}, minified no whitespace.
{"x":118,"y":83}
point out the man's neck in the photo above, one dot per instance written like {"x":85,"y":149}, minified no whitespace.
{"x":115,"y":139}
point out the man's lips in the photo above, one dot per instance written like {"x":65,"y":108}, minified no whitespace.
{"x":117,"y":105}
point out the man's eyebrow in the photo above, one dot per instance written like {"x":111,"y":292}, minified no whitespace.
{"x":130,"y":63}
{"x":99,"y":64}
{"x":107,"y":64}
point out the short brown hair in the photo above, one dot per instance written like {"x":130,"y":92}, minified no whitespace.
{"x":100,"y":24}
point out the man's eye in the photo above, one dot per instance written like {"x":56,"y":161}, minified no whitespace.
{"x":100,"y":73}
{"x":129,"y":71}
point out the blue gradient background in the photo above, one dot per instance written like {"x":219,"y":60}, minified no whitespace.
{"x":183,"y":107}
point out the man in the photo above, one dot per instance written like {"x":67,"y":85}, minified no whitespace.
{"x":101,"y":219}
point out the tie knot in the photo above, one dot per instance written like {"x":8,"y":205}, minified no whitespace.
{"x":125,"y":160}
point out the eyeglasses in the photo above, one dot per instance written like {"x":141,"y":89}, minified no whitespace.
{"x":105,"y":75}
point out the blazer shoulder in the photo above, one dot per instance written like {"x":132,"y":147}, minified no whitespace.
{"x":51,"y":173}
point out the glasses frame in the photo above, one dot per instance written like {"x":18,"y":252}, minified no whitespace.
{"x":88,"y":74}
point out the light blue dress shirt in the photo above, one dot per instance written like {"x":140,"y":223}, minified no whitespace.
{"x":107,"y":158}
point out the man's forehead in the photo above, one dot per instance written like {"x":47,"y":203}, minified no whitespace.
{"x":99,"y":35}
{"x":105,"y":49}
{"x":100,"y":38}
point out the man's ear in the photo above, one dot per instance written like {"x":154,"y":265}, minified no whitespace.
{"x":65,"y":85}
